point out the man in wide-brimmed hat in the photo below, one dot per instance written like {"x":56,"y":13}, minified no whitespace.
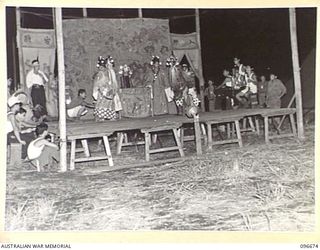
{"x":35,"y":82}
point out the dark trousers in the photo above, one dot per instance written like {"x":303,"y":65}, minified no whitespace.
{"x":38,"y":96}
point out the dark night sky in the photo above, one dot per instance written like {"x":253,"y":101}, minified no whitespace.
{"x":260,"y":37}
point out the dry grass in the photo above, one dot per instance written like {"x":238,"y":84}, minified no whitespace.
{"x":257,"y":188}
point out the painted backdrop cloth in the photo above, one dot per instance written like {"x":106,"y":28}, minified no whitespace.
{"x":128,"y":41}
{"x":158,"y":84}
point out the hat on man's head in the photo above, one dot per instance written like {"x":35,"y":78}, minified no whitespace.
{"x":12,"y":100}
{"x":35,"y":62}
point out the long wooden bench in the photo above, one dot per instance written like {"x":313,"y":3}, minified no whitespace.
{"x":226,"y":118}
{"x":85,"y":148}
{"x":271,"y":113}
{"x":159,"y":128}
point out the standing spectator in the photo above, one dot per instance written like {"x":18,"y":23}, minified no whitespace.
{"x":276,"y":90}
{"x":209,"y":93}
{"x":35,"y":81}
{"x":262,"y":91}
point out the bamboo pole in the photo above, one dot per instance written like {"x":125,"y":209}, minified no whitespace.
{"x":296,"y":71}
{"x":62,"y":96}
{"x":21,"y":83}
{"x":201,"y":79}
{"x":85,"y":12}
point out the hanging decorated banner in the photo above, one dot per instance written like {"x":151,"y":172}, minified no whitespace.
{"x":184,"y":41}
{"x":40,"y":43}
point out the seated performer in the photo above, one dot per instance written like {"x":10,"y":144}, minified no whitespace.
{"x":41,"y":150}
{"x":78,"y":107}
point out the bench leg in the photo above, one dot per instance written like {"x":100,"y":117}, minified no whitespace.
{"x":72,"y":154}
{"x":108,"y":150}
{"x":257,"y":125}
{"x":209,"y":128}
{"x":85,"y":146}
{"x":266,"y":129}
{"x":293,"y":125}
{"x":176,"y":136}
{"x":204,"y":133}
{"x":238,"y":131}
{"x":147,"y":143}
{"x":228,"y":130}
{"x":120,"y":137}
{"x":251,"y":124}
{"x":182,"y":136}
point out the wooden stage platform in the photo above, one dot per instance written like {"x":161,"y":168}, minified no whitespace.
{"x":85,"y":129}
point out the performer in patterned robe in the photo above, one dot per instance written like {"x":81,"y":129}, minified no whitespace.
{"x":105,"y":90}
{"x":178,"y":83}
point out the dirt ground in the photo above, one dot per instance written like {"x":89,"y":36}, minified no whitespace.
{"x":256,"y":188}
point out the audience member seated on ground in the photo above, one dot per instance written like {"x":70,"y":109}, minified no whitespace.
{"x":16,"y":132}
{"x":262,"y":90}
{"x":42,"y":150}
{"x":209,"y":93}
{"x":276,"y":90}
{"x":78,"y":106}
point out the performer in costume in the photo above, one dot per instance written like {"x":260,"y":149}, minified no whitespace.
{"x":262,"y":91}
{"x":157,"y":79}
{"x":105,"y":90}
{"x":178,"y":83}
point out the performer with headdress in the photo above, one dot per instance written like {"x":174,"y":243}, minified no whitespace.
{"x":178,"y":82}
{"x":35,"y":82}
{"x":105,"y":90}
{"x":157,"y":79}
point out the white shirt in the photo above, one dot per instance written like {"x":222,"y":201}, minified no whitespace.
{"x":33,"y":78}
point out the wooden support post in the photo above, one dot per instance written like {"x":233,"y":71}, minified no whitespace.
{"x":140,"y":13}
{"x":85,"y":13}
{"x":21,"y":63}
{"x":62,"y":94}
{"x":201,"y":79}
{"x":209,"y":128}
{"x":296,"y":71}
